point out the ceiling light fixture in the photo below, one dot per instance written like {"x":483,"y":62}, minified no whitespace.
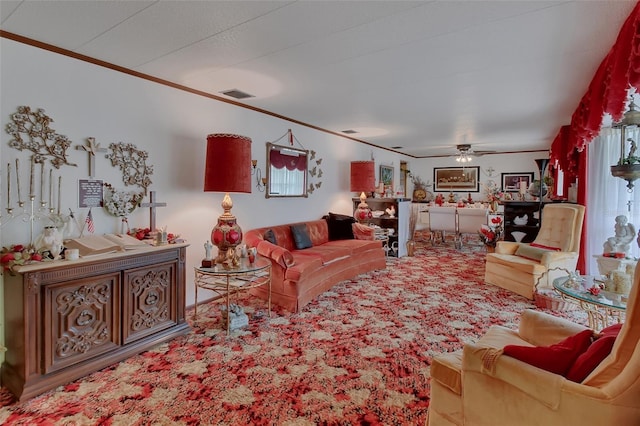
{"x":463,"y":154}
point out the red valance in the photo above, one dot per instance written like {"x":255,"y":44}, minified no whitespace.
{"x":279,"y":160}
{"x":607,"y":94}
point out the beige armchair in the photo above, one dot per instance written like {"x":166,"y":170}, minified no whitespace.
{"x":518,"y":266}
{"x":474,"y":387}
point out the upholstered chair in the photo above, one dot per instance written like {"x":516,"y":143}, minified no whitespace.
{"x":470,"y":220}
{"x":519,"y":266}
{"x":441,"y":220}
{"x":481,"y":386}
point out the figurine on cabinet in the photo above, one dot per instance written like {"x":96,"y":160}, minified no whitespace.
{"x":621,"y":242}
{"x":50,"y":240}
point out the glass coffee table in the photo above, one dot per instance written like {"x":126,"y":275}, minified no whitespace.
{"x":227,"y":282}
{"x":601,"y":308}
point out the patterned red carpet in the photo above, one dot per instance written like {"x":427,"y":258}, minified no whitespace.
{"x":359,"y":354}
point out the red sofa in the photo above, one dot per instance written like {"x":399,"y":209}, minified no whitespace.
{"x":298,"y":276}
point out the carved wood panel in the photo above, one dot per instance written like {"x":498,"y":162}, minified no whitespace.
{"x":84,"y":318}
{"x":148,"y":301}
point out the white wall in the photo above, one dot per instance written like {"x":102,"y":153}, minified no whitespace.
{"x":500,"y":163}
{"x":86,"y":100}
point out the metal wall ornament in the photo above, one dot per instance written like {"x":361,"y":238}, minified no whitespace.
{"x":31,"y":131}
{"x":315,"y":172}
{"x":133,"y":164}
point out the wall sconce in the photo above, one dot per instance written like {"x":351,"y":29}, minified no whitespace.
{"x":255,"y":171}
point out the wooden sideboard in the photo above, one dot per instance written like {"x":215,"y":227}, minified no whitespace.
{"x":66,"y":319}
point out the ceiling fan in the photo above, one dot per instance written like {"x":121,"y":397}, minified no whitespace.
{"x":465,"y":153}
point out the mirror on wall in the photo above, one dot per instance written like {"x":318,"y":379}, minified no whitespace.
{"x":286,"y":171}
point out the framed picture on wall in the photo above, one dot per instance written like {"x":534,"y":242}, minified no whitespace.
{"x":456,"y":179}
{"x":386,"y":175}
{"x":511,"y":181}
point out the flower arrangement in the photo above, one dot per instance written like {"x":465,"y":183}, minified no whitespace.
{"x":121,"y":203}
{"x":145,"y":234}
{"x":493,"y":193}
{"x":18,"y":254}
{"x":490,"y":234}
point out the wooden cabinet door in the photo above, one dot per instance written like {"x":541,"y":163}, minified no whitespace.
{"x":81,"y":320}
{"x":148,"y":300}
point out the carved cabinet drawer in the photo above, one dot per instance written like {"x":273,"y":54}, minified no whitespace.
{"x":148,"y":301}
{"x":83,"y":318}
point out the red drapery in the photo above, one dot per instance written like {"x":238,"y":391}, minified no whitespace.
{"x":607,"y":93}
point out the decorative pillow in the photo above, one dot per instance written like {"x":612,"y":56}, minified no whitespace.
{"x":301,"y":236}
{"x":340,"y":227}
{"x":597,"y":352}
{"x":270,"y":236}
{"x":556,"y":358}
{"x":542,"y":246}
{"x":530,"y":252}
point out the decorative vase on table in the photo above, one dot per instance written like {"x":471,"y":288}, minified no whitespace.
{"x":493,"y":206}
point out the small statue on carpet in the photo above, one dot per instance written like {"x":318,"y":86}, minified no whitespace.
{"x":236,"y":316}
{"x":621,"y":242}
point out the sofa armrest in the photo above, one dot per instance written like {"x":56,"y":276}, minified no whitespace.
{"x":363,"y":232}
{"x":542,"y":329}
{"x":507,"y":247}
{"x":279,"y":255}
{"x":537,"y":384}
{"x":557,"y":259}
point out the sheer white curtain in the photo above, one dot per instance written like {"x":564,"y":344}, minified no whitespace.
{"x":607,"y":195}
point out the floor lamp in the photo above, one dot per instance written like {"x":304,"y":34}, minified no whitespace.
{"x":542,"y":165}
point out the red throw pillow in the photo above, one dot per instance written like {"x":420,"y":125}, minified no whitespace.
{"x":597,"y":352}
{"x":542,"y":246}
{"x":556,"y":358}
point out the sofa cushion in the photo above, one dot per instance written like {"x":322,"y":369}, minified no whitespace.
{"x":556,"y":358}
{"x":304,"y":265}
{"x":270,"y":236}
{"x":357,"y":246}
{"x":340,"y":226}
{"x":326,"y":252}
{"x":301,"y":236}
{"x":593,"y":356}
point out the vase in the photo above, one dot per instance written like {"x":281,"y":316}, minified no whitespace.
{"x":124,"y":225}
{"x":411,"y":246}
{"x":493,"y":206}
{"x":490,"y":249}
{"x":534,"y":189}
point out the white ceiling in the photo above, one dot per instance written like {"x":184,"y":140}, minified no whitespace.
{"x":500,"y":75}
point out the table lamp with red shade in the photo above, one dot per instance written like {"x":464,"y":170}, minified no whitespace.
{"x":228,"y":169}
{"x":363,"y":179}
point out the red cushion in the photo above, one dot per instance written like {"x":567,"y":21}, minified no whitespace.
{"x":556,"y":358}
{"x":597,"y":352}
{"x":542,"y":246}
{"x":612,"y":329}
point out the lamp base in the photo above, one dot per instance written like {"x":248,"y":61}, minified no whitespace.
{"x":363,"y":212}
{"x":227,"y":235}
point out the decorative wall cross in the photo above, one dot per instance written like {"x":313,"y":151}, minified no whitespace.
{"x":91,"y":148}
{"x":152,"y":204}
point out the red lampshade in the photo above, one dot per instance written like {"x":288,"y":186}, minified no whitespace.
{"x":228,"y":163}
{"x":363,"y":176}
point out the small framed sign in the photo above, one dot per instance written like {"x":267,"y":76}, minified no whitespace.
{"x":89,"y":193}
